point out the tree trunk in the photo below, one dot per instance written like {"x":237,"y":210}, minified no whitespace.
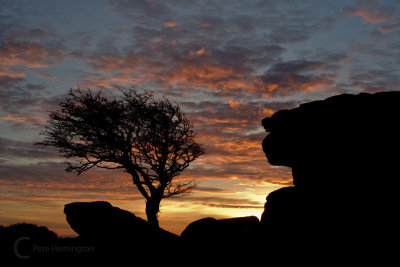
{"x":152,"y":209}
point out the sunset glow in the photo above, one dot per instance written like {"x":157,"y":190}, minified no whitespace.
{"x":228,"y":64}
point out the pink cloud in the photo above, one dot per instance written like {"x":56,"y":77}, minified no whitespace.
{"x":371,"y":15}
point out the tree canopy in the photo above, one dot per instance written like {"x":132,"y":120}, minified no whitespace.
{"x":149,"y":138}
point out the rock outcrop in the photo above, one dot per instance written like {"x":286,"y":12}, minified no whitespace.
{"x":343,"y":152}
{"x":350,"y":139}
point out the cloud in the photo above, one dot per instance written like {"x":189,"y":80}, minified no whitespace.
{"x":372,"y":12}
{"x":200,"y":47}
{"x":142,"y":8}
{"x":29,"y":54}
{"x":224,"y":202}
{"x":390,"y":28}
{"x":375,"y":80}
{"x":25,"y":120}
{"x":24,"y":50}
{"x":230,"y":167}
{"x":48,"y":177}
{"x":286,"y":78}
{"x":371,"y":15}
{"x":284,"y":84}
{"x":23,"y":104}
{"x":228,"y":72}
{"x":170,"y":23}
{"x":7,"y":81}
{"x":21,"y":59}
{"x":34,"y":197}
{"x":209,"y":189}
{"x":301,"y":66}
{"x":12,"y":150}
{"x":15,"y":95}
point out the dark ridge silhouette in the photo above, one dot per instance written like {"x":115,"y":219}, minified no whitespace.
{"x":20,"y":243}
{"x":344,"y":155}
{"x":27,"y":234}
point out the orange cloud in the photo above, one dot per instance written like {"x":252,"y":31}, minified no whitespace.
{"x":26,"y":55}
{"x":207,"y":75}
{"x":170,"y":23}
{"x":26,"y":119}
{"x":31,"y":55}
{"x":200,"y":52}
{"x":288,"y":83}
{"x":206,"y":25}
{"x":235,"y":104}
{"x":5,"y":71}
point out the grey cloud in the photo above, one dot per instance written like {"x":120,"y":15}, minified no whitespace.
{"x":375,"y":80}
{"x":300,"y":66}
{"x":7,"y":81}
{"x":374,"y":50}
{"x":52,"y":175}
{"x":12,"y":150}
{"x":14,"y":95}
{"x":142,"y":8}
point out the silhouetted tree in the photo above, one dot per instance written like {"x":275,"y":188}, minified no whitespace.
{"x":150,"y":139}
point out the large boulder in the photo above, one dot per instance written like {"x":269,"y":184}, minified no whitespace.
{"x":211,"y":235}
{"x":200,"y":231}
{"x":115,"y":231}
{"x":100,"y":218}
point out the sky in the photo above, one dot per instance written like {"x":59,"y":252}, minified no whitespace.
{"x":228,"y":64}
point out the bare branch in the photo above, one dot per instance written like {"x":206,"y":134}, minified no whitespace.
{"x":151,"y":139}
